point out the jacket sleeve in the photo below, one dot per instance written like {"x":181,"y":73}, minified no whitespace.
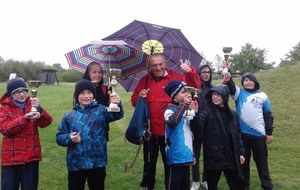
{"x":192,"y":79}
{"x":239,"y":140}
{"x":269,"y":121}
{"x":173,"y":117}
{"x":63,"y":133}
{"x":45,"y":119}
{"x":231,"y":86}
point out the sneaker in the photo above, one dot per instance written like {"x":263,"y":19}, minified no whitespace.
{"x":195,"y":186}
{"x":204,"y":185}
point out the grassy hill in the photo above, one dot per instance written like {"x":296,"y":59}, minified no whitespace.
{"x":281,"y":85}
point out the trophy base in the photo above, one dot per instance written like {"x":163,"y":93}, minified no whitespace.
{"x":33,"y":110}
{"x":113,"y":108}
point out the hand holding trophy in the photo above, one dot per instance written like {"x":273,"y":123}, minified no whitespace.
{"x":225,"y":66}
{"x":194,"y":91}
{"x":113,"y":74}
{"x":34,"y":84}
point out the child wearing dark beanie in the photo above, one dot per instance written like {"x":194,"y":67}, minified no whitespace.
{"x":179,"y":138}
{"x":83,"y":129}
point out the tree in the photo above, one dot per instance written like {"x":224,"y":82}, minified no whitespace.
{"x":250,"y":59}
{"x":292,"y":57}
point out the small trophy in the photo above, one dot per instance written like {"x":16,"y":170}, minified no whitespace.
{"x":226,"y":51}
{"x":113,"y":74}
{"x":34,"y":84}
{"x":95,"y":84}
{"x":194,"y":91}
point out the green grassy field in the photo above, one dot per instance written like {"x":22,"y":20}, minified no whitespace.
{"x":281,"y":85}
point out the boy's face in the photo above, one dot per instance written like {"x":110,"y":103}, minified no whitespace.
{"x":95,"y":73}
{"x":180,"y":96}
{"x":205,"y":74}
{"x":20,"y":95}
{"x":85,"y":97}
{"x":217,"y":99}
{"x":248,"y":84}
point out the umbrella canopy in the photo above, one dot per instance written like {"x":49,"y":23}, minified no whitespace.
{"x":111,"y":55}
{"x":152,"y":38}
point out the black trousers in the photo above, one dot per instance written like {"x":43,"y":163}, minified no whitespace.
{"x":260,"y":155}
{"x":233,"y":181}
{"x":179,"y":178}
{"x":151,"y":149}
{"x":94,"y":177}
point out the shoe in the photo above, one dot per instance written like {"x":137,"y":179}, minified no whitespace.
{"x":195,"y":186}
{"x":204,"y":185}
{"x":147,"y":188}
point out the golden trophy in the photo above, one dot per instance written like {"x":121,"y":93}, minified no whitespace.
{"x":226,"y":51}
{"x":113,"y":74}
{"x":34,"y":84}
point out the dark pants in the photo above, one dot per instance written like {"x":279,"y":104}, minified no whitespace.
{"x":150,"y":151}
{"x":95,"y":179}
{"x":197,"y":143}
{"x":26,"y":175}
{"x":233,"y":181}
{"x":260,"y":155}
{"x":179,"y":178}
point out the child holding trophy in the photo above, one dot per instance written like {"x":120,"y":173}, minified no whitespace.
{"x":94,"y":73}
{"x":21,"y":148}
{"x":82,"y":130}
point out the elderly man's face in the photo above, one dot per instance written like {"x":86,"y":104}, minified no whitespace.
{"x":158,"y":66}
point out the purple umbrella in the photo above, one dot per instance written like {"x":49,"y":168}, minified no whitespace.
{"x":152,"y":39}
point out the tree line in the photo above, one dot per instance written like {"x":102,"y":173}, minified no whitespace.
{"x":249,"y":59}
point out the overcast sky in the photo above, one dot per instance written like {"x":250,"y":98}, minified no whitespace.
{"x":42,"y":30}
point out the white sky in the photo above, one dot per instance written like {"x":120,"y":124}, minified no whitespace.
{"x":42,"y":30}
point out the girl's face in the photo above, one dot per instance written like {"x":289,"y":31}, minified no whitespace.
{"x":217,"y":99}
{"x":20,"y":95}
{"x":95,"y":73}
{"x":248,"y":84}
{"x":180,"y":96}
{"x":85,"y":97}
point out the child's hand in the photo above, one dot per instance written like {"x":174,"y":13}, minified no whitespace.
{"x":114,"y":98}
{"x":194,"y":106}
{"x":33,"y":115}
{"x":75,"y":137}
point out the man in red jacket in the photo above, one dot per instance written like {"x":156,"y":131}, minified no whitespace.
{"x":151,"y":87}
{"x":21,"y":148}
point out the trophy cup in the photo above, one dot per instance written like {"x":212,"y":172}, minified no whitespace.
{"x":226,"y":51}
{"x":34,"y":84}
{"x":194,"y":91}
{"x":113,"y":74}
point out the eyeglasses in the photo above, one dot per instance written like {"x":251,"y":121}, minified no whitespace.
{"x":18,"y":92}
{"x":205,"y":72}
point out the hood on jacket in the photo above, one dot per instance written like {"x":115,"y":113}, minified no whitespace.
{"x":221,"y":89}
{"x":206,"y":83}
{"x":86,"y":73}
{"x":252,"y":78}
